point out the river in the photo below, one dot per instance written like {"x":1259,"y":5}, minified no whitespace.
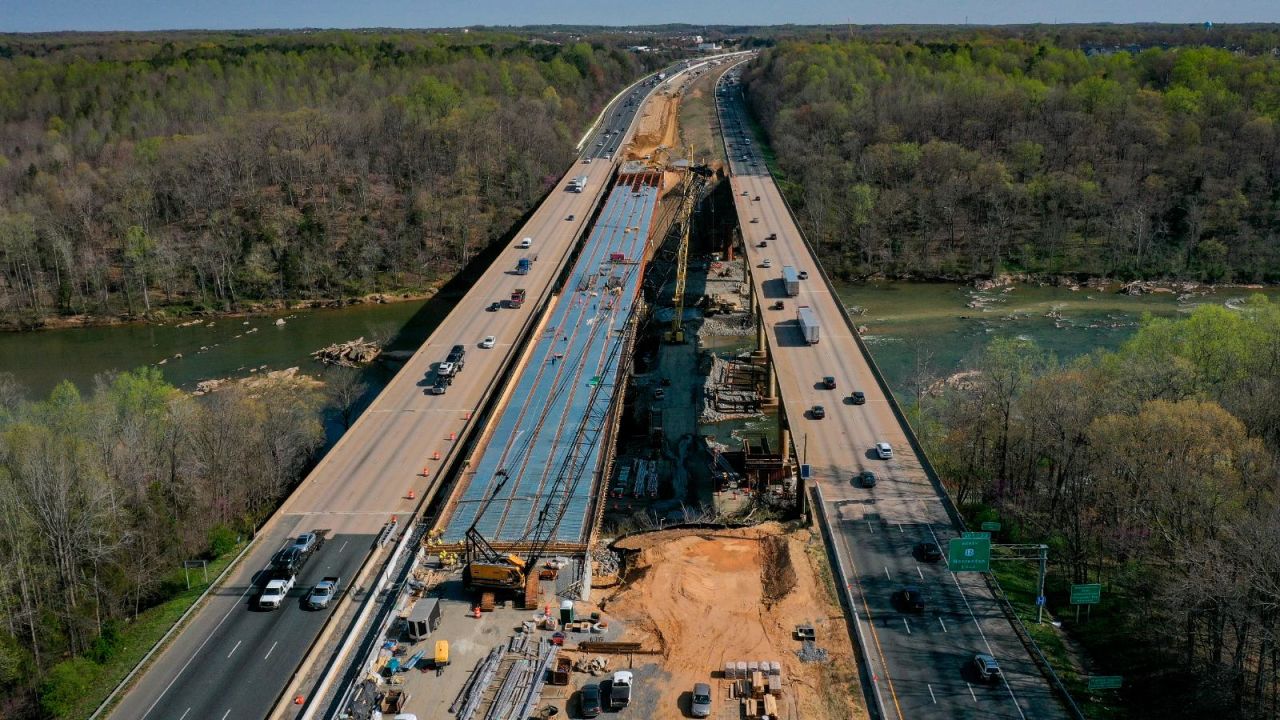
{"x":910,"y":324}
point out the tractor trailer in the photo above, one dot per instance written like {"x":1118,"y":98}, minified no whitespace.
{"x":790,"y":281}
{"x":808,"y":323}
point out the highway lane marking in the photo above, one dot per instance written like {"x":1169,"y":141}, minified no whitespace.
{"x":344,"y":545}
{"x":919,"y":572}
{"x":886,"y":574}
{"x":207,"y":638}
{"x":273,"y":649}
{"x":975,"y":697}
{"x":1016,"y":705}
{"x":233,"y":650}
{"x":900,"y":527}
{"x":225,"y":714}
{"x":873,"y":530}
{"x":944,"y":625}
{"x":184,"y":714}
{"x":907,"y":625}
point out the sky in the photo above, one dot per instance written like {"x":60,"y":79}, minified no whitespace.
{"x":52,"y":15}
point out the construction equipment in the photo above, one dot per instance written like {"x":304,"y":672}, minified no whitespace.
{"x":692,"y":184}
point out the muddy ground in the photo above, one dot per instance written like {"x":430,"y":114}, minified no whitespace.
{"x":706,"y":597}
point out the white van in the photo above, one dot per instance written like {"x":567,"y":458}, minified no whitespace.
{"x":525,"y":244}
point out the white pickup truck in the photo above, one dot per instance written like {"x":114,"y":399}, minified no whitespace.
{"x":275,"y":592}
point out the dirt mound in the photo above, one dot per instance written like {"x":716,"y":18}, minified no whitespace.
{"x":711,"y":596}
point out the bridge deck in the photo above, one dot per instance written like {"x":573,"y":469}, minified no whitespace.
{"x":579,"y":349}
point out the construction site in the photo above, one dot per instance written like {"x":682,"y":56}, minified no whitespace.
{"x":628,"y":524}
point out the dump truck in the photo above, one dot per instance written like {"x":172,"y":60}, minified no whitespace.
{"x":523,"y":266}
{"x":517,"y":298}
{"x":790,"y":281}
{"x":620,"y":689}
{"x":808,"y":324}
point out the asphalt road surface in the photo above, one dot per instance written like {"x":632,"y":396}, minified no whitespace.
{"x":921,"y":660}
{"x":232,"y":661}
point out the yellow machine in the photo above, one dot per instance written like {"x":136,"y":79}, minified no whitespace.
{"x":488,"y":569}
{"x":442,"y":653}
{"x":692,"y":184}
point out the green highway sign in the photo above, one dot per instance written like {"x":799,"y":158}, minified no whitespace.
{"x":969,"y":554}
{"x":1105,"y":682}
{"x":991,"y":526}
{"x":971,"y":534}
{"x":1086,"y":594}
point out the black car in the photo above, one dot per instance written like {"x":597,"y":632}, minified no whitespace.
{"x":927,"y":551}
{"x":867,"y":479}
{"x":818,"y":412}
{"x":829,"y":382}
{"x":458,"y":350}
{"x":858,"y":398}
{"x":494,"y":307}
{"x":909,"y":599}
{"x":289,"y":561}
{"x":589,"y":700}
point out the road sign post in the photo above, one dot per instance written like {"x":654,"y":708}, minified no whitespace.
{"x":969,"y":554}
{"x":1085,"y":594}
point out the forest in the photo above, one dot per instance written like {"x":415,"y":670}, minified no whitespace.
{"x":191,"y":172}
{"x":984,"y":154}
{"x":104,"y":495}
{"x":1151,"y":470}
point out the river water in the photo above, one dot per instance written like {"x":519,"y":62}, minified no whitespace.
{"x":217,"y":348}
{"x":929,"y":329}
{"x":910,"y":326}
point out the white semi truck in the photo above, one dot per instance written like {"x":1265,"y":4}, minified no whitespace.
{"x":808,"y":323}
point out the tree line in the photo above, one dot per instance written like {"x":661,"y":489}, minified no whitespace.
{"x":1153,"y":469}
{"x":104,"y":495}
{"x":981,"y":154}
{"x":192,"y":172}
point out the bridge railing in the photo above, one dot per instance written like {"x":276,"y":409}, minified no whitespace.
{"x":957,"y":520}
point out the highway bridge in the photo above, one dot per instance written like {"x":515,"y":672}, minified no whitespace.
{"x":230,"y":661}
{"x":919,"y":664}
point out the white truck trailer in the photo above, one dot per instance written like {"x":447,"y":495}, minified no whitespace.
{"x":808,"y":323}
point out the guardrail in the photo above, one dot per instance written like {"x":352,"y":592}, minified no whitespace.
{"x":169,"y":633}
{"x":957,"y":520}
{"x":866,"y":673}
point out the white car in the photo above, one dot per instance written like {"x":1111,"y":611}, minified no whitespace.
{"x":525,"y":243}
{"x":444,"y":369}
{"x":766,"y":263}
{"x":275,"y":592}
{"x":488,"y":342}
{"x":884,"y":451}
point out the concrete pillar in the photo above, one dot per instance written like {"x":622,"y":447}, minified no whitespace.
{"x":770,"y":398}
{"x":784,"y":441}
{"x":761,"y":354}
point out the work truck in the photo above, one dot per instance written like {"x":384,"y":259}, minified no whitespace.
{"x":275,"y":592}
{"x":523,"y":266}
{"x":808,"y":324}
{"x":620,"y":689}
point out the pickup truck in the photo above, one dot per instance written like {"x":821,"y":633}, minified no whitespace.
{"x":620,"y":689}
{"x":275,"y":592}
{"x":324,"y":592}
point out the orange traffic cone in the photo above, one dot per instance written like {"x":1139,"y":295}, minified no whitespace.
{"x":453,"y":436}
{"x":297,"y":700}
{"x":412,"y":495}
{"x":466,"y":415}
{"x":475,"y":612}
{"x":435,"y":455}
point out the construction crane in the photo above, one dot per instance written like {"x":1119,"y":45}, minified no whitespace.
{"x":692,"y":183}
{"x":486,"y":567}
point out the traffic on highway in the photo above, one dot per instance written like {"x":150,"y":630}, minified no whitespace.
{"x":939,"y":645}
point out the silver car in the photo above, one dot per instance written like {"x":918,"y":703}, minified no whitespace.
{"x":700,"y":706}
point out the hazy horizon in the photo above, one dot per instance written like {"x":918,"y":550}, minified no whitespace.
{"x":141,"y":15}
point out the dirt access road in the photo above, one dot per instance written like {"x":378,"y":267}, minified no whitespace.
{"x":707,"y":597}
